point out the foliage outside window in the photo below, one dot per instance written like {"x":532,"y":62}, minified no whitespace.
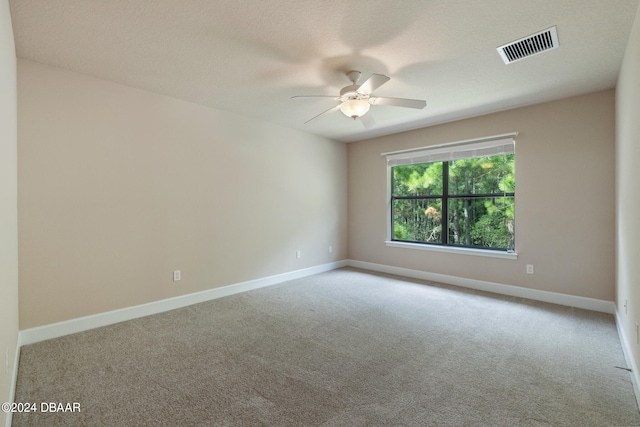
{"x":467,"y":202}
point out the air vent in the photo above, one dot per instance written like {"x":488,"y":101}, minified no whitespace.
{"x":529,"y":46}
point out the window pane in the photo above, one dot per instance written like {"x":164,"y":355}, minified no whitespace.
{"x":484,"y":175}
{"x":418,"y":180}
{"x":417,"y":220}
{"x":482,"y":222}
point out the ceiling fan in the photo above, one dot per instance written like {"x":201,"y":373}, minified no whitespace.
{"x":356,"y":99}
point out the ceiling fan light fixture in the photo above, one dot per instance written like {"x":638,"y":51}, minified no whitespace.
{"x":355,"y":100}
{"x":355,"y":108}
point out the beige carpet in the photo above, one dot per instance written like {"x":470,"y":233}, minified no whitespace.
{"x":343,"y":348}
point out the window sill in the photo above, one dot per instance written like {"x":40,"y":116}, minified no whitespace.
{"x":453,"y":250}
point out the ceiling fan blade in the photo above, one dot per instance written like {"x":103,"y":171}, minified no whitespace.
{"x":314,"y":96}
{"x":337,"y":107}
{"x":398,"y":102}
{"x":367,"y":121}
{"x":372,"y":83}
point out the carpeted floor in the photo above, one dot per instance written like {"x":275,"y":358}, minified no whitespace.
{"x":343,"y":348}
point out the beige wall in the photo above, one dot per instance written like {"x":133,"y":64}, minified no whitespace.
{"x":564,"y":198}
{"x":119,"y":187}
{"x":8,"y":206}
{"x":628,"y":189}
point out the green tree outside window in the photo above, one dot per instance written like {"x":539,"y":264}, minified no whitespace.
{"x":466,"y":202}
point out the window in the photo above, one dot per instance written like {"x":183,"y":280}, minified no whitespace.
{"x":460,"y":195}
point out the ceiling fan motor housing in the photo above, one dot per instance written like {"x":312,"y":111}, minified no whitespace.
{"x":350,"y":92}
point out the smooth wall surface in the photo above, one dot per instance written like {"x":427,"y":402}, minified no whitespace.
{"x":8,"y":207}
{"x":565,"y":207}
{"x":119,"y":187}
{"x":628,"y":189}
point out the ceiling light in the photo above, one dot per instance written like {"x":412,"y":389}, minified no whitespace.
{"x":355,"y":108}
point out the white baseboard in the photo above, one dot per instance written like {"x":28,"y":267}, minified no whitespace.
{"x":41,"y":333}
{"x":14,"y":381}
{"x":628,"y":356}
{"x":55,"y":330}
{"x":515,"y":291}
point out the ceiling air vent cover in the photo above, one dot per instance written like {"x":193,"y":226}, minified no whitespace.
{"x":529,"y":46}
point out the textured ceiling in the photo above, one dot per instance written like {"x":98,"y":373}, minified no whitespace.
{"x":252,"y":56}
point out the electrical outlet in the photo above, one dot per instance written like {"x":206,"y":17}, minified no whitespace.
{"x":330,"y":249}
{"x":626,"y":307}
{"x":529,"y":268}
{"x":298,"y":254}
{"x":177,"y":275}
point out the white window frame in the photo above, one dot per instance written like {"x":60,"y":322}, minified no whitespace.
{"x":479,"y":147}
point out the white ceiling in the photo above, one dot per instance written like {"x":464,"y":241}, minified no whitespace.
{"x":252,"y":56}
